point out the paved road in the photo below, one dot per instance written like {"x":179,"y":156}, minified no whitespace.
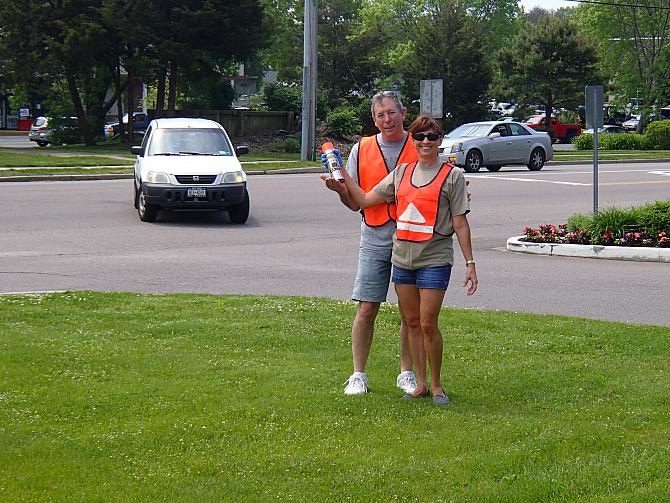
{"x":17,"y":141}
{"x":301,"y":241}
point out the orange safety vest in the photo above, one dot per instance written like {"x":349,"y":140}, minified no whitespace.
{"x":418,"y":206}
{"x":374,"y":170}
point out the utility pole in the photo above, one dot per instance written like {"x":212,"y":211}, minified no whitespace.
{"x":309,"y":82}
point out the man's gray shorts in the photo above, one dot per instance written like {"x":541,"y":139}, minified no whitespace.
{"x":373,"y":275}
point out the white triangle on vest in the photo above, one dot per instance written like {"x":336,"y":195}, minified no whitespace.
{"x":412,"y":214}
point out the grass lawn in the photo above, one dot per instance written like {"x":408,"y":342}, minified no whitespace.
{"x":13,"y":159}
{"x":609,"y":155}
{"x":127,"y":397}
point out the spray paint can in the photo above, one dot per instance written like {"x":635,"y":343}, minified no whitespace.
{"x":332,"y":161}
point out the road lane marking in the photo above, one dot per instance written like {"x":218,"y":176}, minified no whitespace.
{"x":538,"y":180}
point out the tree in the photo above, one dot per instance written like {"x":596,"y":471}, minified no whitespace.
{"x":548,"y":63}
{"x":632,"y":40}
{"x":447,"y":47}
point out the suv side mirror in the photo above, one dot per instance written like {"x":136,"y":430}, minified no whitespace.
{"x":137,"y":150}
{"x":241,"y":150}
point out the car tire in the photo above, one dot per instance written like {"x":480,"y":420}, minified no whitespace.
{"x":43,"y":143}
{"x":239,"y":213}
{"x":537,"y":158}
{"x":147,"y":212}
{"x":569,"y":136}
{"x":473,"y":161}
{"x":493,"y":168}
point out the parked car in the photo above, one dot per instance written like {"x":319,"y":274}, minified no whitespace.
{"x":60,"y":130}
{"x":494,"y":144}
{"x":38,"y":131}
{"x":607,"y":129}
{"x":189,"y":164}
{"x":140,"y":123}
{"x":562,"y":132}
{"x":631,"y":123}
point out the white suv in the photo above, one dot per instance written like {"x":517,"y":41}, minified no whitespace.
{"x":189,"y":164}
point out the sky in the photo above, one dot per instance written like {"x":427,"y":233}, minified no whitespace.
{"x":545,"y":4}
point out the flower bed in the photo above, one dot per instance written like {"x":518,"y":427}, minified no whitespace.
{"x":549,"y":233}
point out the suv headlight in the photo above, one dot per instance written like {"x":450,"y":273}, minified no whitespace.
{"x":157,"y":177}
{"x":233,"y":177}
{"x":456,"y":147}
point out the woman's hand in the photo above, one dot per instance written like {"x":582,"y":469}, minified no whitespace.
{"x":471,"y":278}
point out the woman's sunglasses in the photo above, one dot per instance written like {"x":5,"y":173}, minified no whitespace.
{"x":422,"y":136}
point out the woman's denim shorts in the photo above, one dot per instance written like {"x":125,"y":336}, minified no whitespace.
{"x":426,"y":277}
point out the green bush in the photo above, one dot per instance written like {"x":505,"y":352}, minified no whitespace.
{"x":653,"y":217}
{"x":342,"y":122}
{"x":583,"y":142}
{"x":64,"y":131}
{"x":614,"y":220}
{"x":283,"y":97}
{"x":658,"y":135}
{"x":292,"y":146}
{"x":627,"y":141}
{"x":580,"y":221}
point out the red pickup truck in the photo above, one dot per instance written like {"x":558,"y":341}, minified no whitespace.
{"x":562,"y":132}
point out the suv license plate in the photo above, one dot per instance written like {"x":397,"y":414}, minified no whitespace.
{"x":196,"y":192}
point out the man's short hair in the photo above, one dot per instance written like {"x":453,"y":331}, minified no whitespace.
{"x":377,"y":98}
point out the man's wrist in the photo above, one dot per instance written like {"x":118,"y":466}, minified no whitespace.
{"x":469,"y":262}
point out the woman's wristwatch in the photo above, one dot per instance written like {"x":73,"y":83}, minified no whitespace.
{"x":468,"y":262}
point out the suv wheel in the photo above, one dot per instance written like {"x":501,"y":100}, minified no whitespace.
{"x":239,"y":213}
{"x":147,"y":212}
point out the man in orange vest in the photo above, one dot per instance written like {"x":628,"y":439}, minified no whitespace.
{"x":370,"y":160}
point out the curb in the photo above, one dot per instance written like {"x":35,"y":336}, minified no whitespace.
{"x":636,"y":253}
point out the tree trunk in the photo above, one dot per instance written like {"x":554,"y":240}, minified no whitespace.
{"x":172,"y":95}
{"x":85,"y":128}
{"x":160,"y":91}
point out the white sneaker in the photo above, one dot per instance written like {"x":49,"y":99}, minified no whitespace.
{"x":406,"y":381}
{"x":355,"y":385}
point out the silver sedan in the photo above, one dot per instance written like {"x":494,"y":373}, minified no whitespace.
{"x":496,"y":144}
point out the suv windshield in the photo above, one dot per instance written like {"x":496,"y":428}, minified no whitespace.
{"x":473,"y":130}
{"x":189,"y":141}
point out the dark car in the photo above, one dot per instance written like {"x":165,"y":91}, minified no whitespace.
{"x":140,"y":123}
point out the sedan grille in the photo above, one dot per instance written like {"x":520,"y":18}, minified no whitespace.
{"x":199,"y":179}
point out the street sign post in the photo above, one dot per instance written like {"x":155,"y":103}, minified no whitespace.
{"x":595,"y":120}
{"x":431,"y":98}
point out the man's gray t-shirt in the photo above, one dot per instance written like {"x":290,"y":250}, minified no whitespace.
{"x":377,"y":236}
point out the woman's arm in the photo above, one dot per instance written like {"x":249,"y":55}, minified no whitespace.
{"x":462,"y":231}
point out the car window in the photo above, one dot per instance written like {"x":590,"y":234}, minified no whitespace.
{"x":40,"y":121}
{"x":209,"y":141}
{"x":518,"y":130}
{"x":472,"y":130}
{"x":146,"y":138}
{"x":500,"y":129}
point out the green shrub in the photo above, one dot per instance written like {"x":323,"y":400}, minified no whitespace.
{"x":292,"y":146}
{"x":283,"y":97}
{"x":627,"y":141}
{"x":653,"y":217}
{"x":658,"y":135}
{"x":583,"y":142}
{"x":65,"y":131}
{"x":580,"y":221}
{"x":614,"y":220}
{"x":342,"y":122}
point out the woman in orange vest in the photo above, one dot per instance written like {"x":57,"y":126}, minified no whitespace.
{"x":432,"y":204}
